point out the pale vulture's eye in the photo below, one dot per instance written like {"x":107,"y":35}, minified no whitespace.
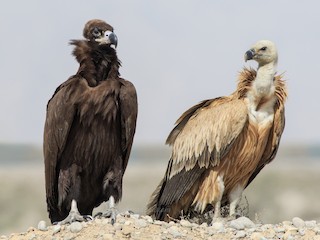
{"x":263,"y":49}
{"x":96,"y":33}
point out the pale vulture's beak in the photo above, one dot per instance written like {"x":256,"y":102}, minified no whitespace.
{"x":109,"y":38}
{"x":249,"y":54}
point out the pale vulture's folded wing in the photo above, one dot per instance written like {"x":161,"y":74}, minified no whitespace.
{"x":202,"y":136}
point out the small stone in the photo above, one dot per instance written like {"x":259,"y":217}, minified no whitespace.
{"x":31,"y":229}
{"x":257,"y":236}
{"x":117,"y":227}
{"x":127,"y":223}
{"x":174,"y":231}
{"x":42,"y":226}
{"x":157,"y":222}
{"x":75,"y":227}
{"x":241,"y":234}
{"x":56,"y":229}
{"x":127,"y":230}
{"x":135,"y":216}
{"x":302,"y":232}
{"x":141,"y":223}
{"x":32,"y":237}
{"x":311,"y":224}
{"x":185,"y":223}
{"x":298,"y":222}
{"x":108,"y":236}
{"x":148,"y":219}
{"x":280,"y":230}
{"x":241,"y":223}
{"x":218,"y":226}
{"x":69,"y":236}
{"x":204,"y":225}
{"x":172,"y":223}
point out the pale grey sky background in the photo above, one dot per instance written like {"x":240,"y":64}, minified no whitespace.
{"x":177,"y":53}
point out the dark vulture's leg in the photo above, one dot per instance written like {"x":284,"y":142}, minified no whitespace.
{"x":74,"y":215}
{"x":111,"y":212}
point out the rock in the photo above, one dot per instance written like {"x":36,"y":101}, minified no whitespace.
{"x":298,"y":222}
{"x":56,"y":229}
{"x":127,"y":230}
{"x":141,"y":223}
{"x":185,"y":223}
{"x":302,"y":232}
{"x":241,"y":223}
{"x":241,"y":234}
{"x":42,"y":226}
{"x":69,"y":236}
{"x":174,"y":231}
{"x":148,"y":219}
{"x":135,"y":216}
{"x":257,"y":236}
{"x":127,"y":223}
{"x":311,"y":224}
{"x":279,"y":230}
{"x":157,"y":222}
{"x":75,"y":227}
{"x":218,"y":226}
{"x":108,"y":236}
{"x":32,"y":237}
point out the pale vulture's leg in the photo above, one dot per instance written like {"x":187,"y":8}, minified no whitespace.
{"x":219,"y":189}
{"x":234,"y":199}
{"x":74,"y":215}
{"x":111,"y":212}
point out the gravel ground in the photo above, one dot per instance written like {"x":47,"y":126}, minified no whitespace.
{"x":135,"y":226}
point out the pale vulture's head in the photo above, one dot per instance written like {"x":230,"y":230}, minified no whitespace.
{"x":263,"y":52}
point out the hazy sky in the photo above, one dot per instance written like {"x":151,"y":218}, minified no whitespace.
{"x":177,"y":53}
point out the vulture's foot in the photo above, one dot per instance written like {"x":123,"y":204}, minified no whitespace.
{"x":110,"y":213}
{"x":74,"y":215}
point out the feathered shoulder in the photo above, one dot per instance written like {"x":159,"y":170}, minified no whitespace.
{"x":247,"y":76}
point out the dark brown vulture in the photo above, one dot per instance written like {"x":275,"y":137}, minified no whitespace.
{"x":89,"y":129}
{"x":221,"y":144}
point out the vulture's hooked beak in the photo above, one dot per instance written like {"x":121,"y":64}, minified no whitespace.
{"x":108,"y":38}
{"x":249,"y":54}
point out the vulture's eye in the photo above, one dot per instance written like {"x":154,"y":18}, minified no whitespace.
{"x":96,"y":32}
{"x":263,"y":49}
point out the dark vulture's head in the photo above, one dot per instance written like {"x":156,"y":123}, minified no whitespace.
{"x":100,"y":32}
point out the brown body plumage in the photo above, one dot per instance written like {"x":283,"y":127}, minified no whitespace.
{"x":89,"y":128}
{"x":218,"y":148}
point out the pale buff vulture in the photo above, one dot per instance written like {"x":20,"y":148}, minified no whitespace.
{"x":221,"y":144}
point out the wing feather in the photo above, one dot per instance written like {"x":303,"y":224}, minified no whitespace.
{"x":56,"y":131}
{"x":129,"y":110}
{"x":208,"y":134}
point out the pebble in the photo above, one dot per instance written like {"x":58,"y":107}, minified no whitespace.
{"x":298,"y":222}
{"x":75,"y":227}
{"x":218,"y":226}
{"x":311,"y":224}
{"x":148,"y":219}
{"x":157,"y":222}
{"x":69,"y":236}
{"x":141,"y":223}
{"x":185,"y":223}
{"x":241,"y":234}
{"x":241,"y":223}
{"x":32,"y":237}
{"x":257,"y":236}
{"x":135,"y":216}
{"x":42,"y":226}
{"x":127,"y":230}
{"x":56,"y":229}
{"x":174,"y":231}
